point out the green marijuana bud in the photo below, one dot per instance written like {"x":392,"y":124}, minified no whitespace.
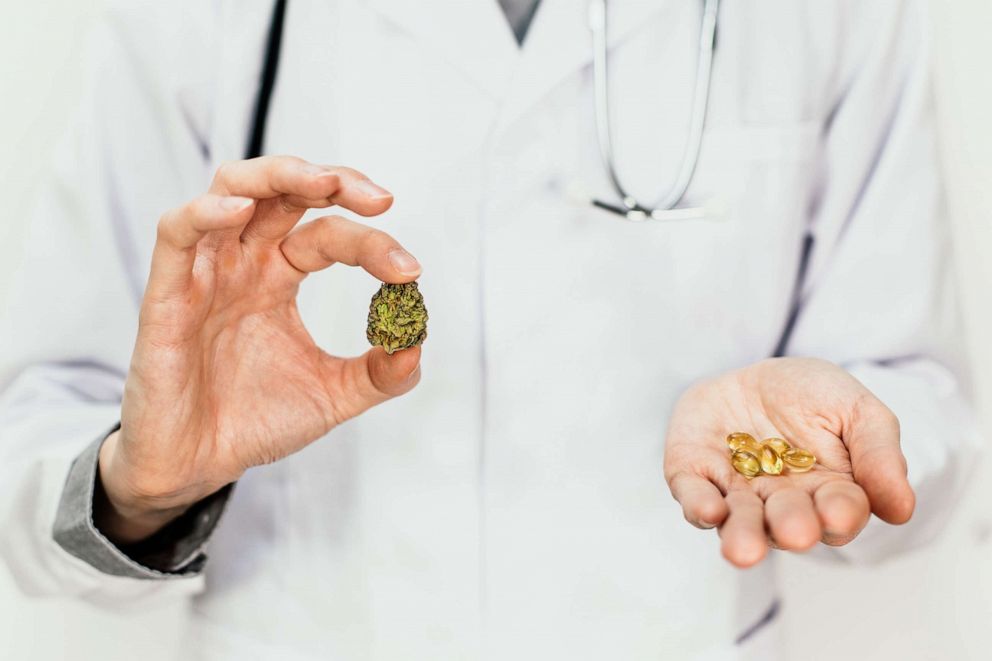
{"x":397,"y":317}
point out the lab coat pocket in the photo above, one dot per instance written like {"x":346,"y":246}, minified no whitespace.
{"x":746,"y":172}
{"x":742,"y":261}
{"x":742,"y":170}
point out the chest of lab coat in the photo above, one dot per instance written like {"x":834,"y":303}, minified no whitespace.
{"x":515,"y":500}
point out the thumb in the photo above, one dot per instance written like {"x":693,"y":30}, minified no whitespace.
{"x":373,"y":378}
{"x":872,"y":438}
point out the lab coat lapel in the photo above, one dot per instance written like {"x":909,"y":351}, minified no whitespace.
{"x":559,"y":43}
{"x":471,"y":35}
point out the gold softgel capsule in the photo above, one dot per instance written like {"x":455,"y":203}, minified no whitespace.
{"x":780,"y":445}
{"x":771,"y":463}
{"x":771,"y":456}
{"x":745,"y":463}
{"x":798,"y":460}
{"x":743,"y":441}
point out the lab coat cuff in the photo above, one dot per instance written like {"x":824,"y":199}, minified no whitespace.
{"x":176,"y":551}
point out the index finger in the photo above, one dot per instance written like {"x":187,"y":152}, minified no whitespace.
{"x":702,"y":502}
{"x":322,"y":242}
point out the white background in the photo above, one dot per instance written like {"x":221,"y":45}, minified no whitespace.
{"x":931,"y":604}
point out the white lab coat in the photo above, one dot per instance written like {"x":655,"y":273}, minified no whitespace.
{"x":512,"y":506}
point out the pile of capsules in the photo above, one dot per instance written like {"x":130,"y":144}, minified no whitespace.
{"x":770,"y":456}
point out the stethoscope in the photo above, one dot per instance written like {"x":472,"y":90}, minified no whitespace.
{"x":629,"y":207}
{"x":667,"y":208}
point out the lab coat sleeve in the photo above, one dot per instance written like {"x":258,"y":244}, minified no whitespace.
{"x":176,"y":550}
{"x":134,"y":149}
{"x":879,"y":297}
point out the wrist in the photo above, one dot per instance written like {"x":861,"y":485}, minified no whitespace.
{"x":123,"y":510}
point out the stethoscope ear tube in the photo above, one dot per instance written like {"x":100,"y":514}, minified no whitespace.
{"x":630,"y":208}
{"x":267,"y":81}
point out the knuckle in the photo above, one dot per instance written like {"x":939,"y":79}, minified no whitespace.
{"x":283,"y":160}
{"x":225,"y":170}
{"x":165,"y":231}
{"x":347,"y":172}
{"x":198,"y":207}
{"x":323,"y":236}
{"x":373,"y":239}
{"x":889,"y":417}
{"x":281,"y":165}
{"x":174,"y":224}
{"x":868,"y":406}
{"x":327,"y":225}
{"x":289,"y":205}
{"x":736,"y":498}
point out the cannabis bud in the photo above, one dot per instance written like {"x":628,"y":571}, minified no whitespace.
{"x":397,"y":317}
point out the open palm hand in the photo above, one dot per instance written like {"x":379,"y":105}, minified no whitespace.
{"x":814,"y":405}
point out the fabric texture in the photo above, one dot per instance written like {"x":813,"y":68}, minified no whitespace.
{"x":176,"y":550}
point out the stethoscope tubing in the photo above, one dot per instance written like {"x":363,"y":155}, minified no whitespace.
{"x":629,"y":207}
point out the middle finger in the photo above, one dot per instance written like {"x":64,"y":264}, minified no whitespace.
{"x":791,"y":519}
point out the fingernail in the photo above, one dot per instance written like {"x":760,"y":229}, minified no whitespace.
{"x":235,"y":203}
{"x":404,"y":262}
{"x":372,"y":190}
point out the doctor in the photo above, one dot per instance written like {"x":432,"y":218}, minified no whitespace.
{"x":512,"y":503}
